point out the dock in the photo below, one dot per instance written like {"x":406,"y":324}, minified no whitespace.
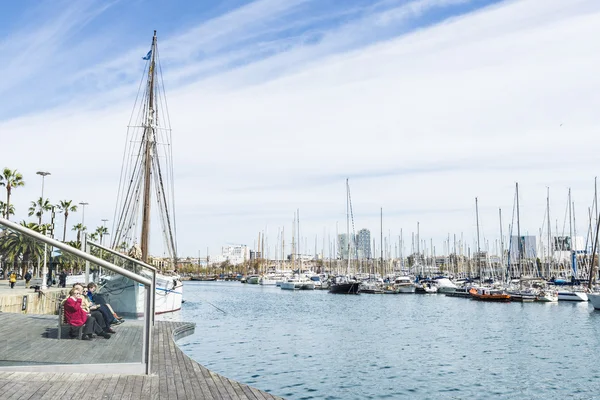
{"x":27,"y":340}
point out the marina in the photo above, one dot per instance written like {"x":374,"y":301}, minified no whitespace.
{"x":299,"y":200}
{"x":313,"y":344}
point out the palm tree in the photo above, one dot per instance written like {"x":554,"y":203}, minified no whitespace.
{"x":11,"y":180}
{"x":3,"y":209}
{"x":38,"y":207}
{"x":79,"y":228}
{"x":100,"y":232}
{"x":66,"y":206}
{"x":94,"y":236}
{"x":16,"y":246}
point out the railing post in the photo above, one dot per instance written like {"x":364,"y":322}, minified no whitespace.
{"x":153,"y":297}
{"x":84,"y":248}
{"x":148,"y":324}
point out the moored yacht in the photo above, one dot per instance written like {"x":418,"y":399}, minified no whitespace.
{"x":343,"y":285}
{"x":445,"y":285}
{"x":404,"y":284}
{"x":569,"y":295}
{"x":594,"y":298}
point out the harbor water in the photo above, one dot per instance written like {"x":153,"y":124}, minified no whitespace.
{"x":316,"y":345}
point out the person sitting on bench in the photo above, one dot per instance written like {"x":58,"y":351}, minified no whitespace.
{"x":103,"y":318}
{"x":75,"y":315}
{"x":104,"y":306}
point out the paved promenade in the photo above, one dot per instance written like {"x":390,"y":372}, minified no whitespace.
{"x":31,"y":339}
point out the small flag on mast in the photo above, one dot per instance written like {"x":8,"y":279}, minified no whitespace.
{"x":147,"y":55}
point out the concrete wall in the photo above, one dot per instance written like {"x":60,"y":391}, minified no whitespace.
{"x":37,"y":303}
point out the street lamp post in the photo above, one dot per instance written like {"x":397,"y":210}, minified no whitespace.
{"x":83,"y":204}
{"x":45,"y":268}
{"x":103,"y":228}
{"x":84,"y":239}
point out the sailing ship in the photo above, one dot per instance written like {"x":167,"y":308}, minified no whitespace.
{"x":147,"y":172}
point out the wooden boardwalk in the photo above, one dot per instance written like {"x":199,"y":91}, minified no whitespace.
{"x":26,"y":340}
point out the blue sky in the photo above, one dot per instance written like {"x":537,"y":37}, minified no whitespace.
{"x":241,"y":32}
{"x":423,"y":104}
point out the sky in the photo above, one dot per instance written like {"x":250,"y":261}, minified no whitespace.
{"x":424,"y":105}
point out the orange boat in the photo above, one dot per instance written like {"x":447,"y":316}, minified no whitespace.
{"x":484,"y":294}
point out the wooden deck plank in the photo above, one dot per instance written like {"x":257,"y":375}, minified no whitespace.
{"x":32,"y":340}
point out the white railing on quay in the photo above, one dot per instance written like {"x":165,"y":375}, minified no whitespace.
{"x":149,"y":284}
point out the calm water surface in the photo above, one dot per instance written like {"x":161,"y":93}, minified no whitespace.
{"x":315,"y":345}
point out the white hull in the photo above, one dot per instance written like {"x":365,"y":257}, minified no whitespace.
{"x":128,"y":298}
{"x":572,"y":296}
{"x":406,"y":288}
{"x":595,"y":300}
{"x":268,"y":282}
{"x":290,"y":286}
{"x":445,"y":285}
{"x":547,"y":297}
{"x":297,"y":285}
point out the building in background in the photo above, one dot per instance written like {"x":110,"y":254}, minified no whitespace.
{"x":235,"y":254}
{"x":527,"y":246}
{"x":364,"y":244}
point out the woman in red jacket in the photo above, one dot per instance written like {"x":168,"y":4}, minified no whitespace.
{"x":77,"y":316}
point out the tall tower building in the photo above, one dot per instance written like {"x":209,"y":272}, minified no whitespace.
{"x":364,"y":244}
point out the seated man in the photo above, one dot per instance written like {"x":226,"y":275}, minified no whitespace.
{"x":75,"y":315}
{"x":104,"y":306}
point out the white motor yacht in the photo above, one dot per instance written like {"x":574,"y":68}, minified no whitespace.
{"x":404,"y":284}
{"x":445,"y":285}
{"x":568,"y":295}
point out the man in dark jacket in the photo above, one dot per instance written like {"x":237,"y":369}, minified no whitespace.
{"x":27,"y":279}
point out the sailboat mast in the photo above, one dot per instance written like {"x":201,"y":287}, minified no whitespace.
{"x":348,"y":224}
{"x":148,"y":145}
{"x":520,"y":246}
{"x":550,"y":255}
{"x":478,"y":247}
{"x":573,"y":265}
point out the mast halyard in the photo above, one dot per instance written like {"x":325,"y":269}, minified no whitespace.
{"x":148,"y":146}
{"x":147,"y":170}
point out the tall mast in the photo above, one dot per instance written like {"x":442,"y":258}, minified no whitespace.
{"x":573,"y":265}
{"x":478,"y":247}
{"x":550,"y":256}
{"x":501,"y":244}
{"x":348,"y":223}
{"x":520,"y":246}
{"x":381,"y":235}
{"x":148,"y":146}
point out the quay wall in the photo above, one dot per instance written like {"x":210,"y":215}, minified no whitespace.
{"x":30,"y":302}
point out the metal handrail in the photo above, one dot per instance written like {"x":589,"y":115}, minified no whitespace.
{"x":69,"y":249}
{"x":125,"y":257}
{"x":149,"y":284}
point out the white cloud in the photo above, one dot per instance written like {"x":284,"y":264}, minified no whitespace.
{"x":422,"y":124}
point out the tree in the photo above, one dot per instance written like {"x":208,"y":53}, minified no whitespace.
{"x":66,"y":206}
{"x":100,"y":232}
{"x":10,"y":180}
{"x":38,"y":207}
{"x":18,"y":247}
{"x":79,"y":228}
{"x":3,"y":209}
